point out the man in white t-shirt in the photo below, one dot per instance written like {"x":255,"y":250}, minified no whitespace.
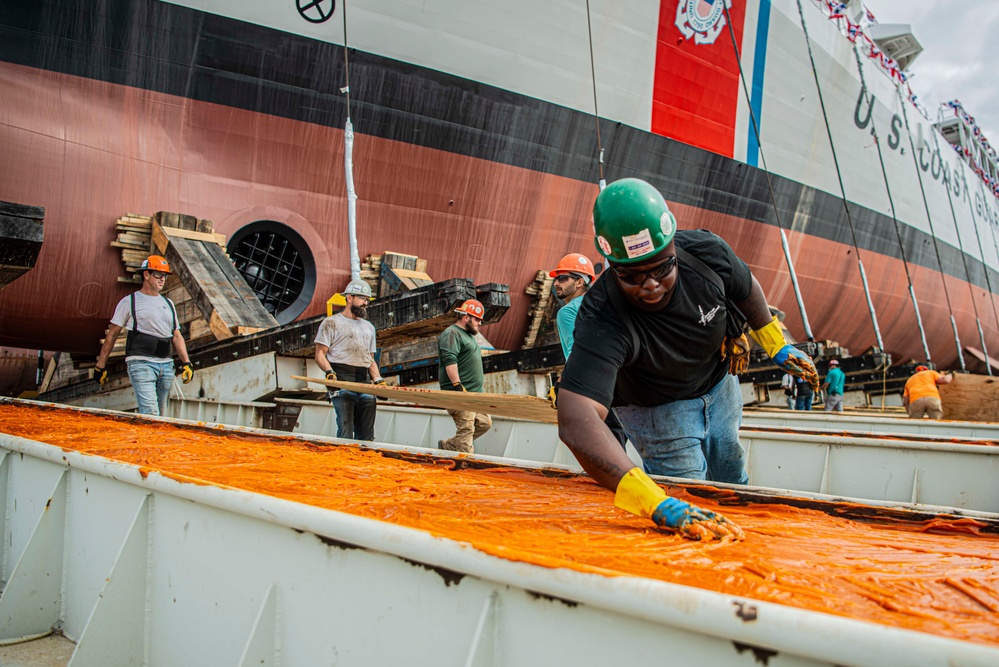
{"x":151,"y":322}
{"x":345,"y":348}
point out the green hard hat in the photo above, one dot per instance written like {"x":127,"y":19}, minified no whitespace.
{"x":631,"y":221}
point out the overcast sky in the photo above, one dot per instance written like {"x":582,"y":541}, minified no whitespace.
{"x":960,"y":52}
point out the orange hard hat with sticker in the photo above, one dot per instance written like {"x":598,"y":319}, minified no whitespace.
{"x":574,"y":262}
{"x":155,"y":263}
{"x":472,"y":307}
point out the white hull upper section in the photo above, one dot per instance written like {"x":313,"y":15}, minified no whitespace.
{"x":541,"y":49}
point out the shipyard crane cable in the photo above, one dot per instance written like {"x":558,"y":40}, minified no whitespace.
{"x":766,"y":172}
{"x":981,"y":248}
{"x":839,"y":177}
{"x":348,"y":161}
{"x":864,"y":90}
{"x":596,"y":114}
{"x":967,"y":271}
{"x":933,"y":234}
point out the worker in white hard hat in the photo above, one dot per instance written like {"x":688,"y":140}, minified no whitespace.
{"x":345,"y":348}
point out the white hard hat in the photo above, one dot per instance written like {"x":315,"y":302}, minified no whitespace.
{"x":357,"y":288}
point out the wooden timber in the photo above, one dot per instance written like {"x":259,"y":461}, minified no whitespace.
{"x":971,"y":398}
{"x":196,"y":255}
{"x":21,"y":237}
{"x":518,"y":406}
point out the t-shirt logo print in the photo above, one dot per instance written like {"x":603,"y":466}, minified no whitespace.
{"x":708,"y":316}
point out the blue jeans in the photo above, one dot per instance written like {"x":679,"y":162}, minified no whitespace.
{"x":355,"y":415}
{"x":803,"y":402}
{"x":696,"y":438}
{"x":151,"y":381}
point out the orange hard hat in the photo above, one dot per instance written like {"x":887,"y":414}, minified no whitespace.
{"x":920,"y":369}
{"x":472,"y":307}
{"x":574,"y":263}
{"x":155,"y":263}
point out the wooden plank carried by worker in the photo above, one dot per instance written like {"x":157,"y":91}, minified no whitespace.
{"x":971,"y":398}
{"x":519,"y":406}
{"x":197,"y":257}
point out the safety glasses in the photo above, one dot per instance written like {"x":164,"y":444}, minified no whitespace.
{"x":656,"y":273}
{"x":565,"y":277}
{"x":159,"y":274}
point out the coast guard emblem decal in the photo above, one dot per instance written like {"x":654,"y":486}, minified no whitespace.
{"x":701,"y":19}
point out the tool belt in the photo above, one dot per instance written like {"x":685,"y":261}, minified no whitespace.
{"x":350,"y":373}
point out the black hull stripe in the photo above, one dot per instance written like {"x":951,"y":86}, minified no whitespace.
{"x":187,"y":53}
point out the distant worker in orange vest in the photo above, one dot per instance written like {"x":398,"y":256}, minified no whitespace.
{"x":573,"y":277}
{"x":151,"y":321}
{"x":461,"y":370}
{"x":921,"y":396}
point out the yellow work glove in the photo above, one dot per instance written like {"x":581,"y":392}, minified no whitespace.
{"x":100,"y":374}
{"x":380,"y":381}
{"x":553,"y":395}
{"x":790,"y":358}
{"x":186,"y":372}
{"x":638,"y":494}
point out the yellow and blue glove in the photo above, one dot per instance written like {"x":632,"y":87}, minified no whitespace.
{"x":788,"y":357}
{"x":638,"y":494}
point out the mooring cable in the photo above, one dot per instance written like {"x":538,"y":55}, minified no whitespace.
{"x":773,"y":199}
{"x":596,"y":113}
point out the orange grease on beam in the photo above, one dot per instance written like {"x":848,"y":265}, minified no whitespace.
{"x":939,"y":576}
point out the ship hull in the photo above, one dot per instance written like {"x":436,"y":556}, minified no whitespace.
{"x":481,"y":181}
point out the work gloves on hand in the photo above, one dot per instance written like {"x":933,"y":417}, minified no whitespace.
{"x":186,"y":372}
{"x":791,"y":359}
{"x":638,"y":494}
{"x":100,"y":374}
{"x":380,"y":381}
{"x":458,"y":386}
{"x":553,"y":396}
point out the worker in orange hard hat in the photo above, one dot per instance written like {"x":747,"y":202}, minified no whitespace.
{"x":151,"y":321}
{"x":461,"y":370}
{"x":921,"y":396}
{"x":573,"y":277}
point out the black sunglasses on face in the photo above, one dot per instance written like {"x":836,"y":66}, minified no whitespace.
{"x":565,"y":277}
{"x":657,"y":273}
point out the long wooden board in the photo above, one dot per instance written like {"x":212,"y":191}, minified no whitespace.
{"x":519,"y":406}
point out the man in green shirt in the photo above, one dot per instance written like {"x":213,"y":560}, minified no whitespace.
{"x":461,"y":370}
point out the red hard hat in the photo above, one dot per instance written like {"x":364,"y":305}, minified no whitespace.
{"x":833,"y":362}
{"x":155,"y":263}
{"x":574,"y":263}
{"x":920,"y":369}
{"x":472,"y":307}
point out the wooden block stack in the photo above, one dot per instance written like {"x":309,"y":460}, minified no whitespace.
{"x":401,"y":273}
{"x":542,"y":310}
{"x":197,"y":256}
{"x":134,"y":241}
{"x":371,"y":271}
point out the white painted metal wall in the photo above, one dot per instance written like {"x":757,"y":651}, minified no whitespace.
{"x":146,"y":570}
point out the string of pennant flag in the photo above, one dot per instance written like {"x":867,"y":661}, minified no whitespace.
{"x":836,"y":12}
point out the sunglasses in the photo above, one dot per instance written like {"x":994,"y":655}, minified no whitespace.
{"x":158,"y":274}
{"x":656,"y":273}
{"x":565,"y":277}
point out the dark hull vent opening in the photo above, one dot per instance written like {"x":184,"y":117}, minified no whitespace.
{"x":277,"y":265}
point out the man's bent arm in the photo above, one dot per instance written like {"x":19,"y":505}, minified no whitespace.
{"x":452,"y":373}
{"x":321,"y":360}
{"x":109,"y":341}
{"x":755,"y":307}
{"x":581,"y":427}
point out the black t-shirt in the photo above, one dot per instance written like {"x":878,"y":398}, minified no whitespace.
{"x":679,"y":346}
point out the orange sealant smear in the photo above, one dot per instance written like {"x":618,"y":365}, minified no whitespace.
{"x":939,"y":576}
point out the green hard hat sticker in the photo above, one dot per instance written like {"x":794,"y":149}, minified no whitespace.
{"x":631,"y":221}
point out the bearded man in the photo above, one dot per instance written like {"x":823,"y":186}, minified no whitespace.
{"x":345,"y":348}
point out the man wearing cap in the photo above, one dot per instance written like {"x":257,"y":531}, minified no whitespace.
{"x":151,"y":323}
{"x":573,"y":277}
{"x":461,"y":370}
{"x":833,"y":386}
{"x":345,"y":349}
{"x":651,"y":340}
{"x":921,"y":396}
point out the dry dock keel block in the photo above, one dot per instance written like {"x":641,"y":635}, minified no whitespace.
{"x":144,"y":564}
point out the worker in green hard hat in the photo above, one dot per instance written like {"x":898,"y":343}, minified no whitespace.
{"x":658,"y":338}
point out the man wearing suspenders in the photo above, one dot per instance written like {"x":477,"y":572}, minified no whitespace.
{"x":150,"y":320}
{"x":651,"y":340}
